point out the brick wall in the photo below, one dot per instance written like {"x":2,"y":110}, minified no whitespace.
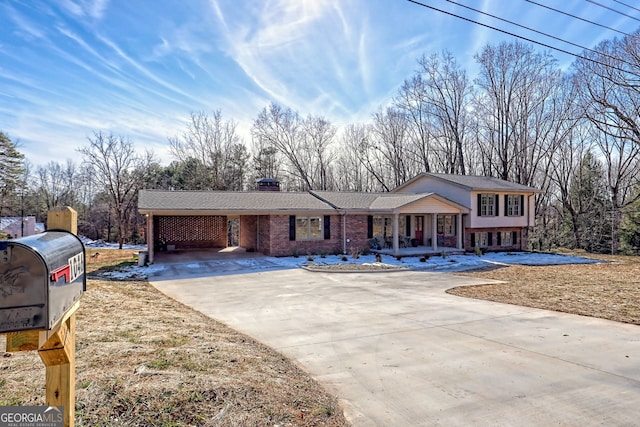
{"x":248,"y":232}
{"x":191,"y":232}
{"x":274,"y":238}
{"x":356,"y":231}
{"x":263,"y":230}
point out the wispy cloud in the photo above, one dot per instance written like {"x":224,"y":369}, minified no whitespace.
{"x":92,"y":8}
{"x":26,"y":28}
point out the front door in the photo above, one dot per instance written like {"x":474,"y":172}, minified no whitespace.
{"x":418,"y":229}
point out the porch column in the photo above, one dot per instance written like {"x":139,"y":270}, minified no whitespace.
{"x":396,"y":225}
{"x":434,"y":232}
{"x":150,"y":237}
{"x":460,"y":231}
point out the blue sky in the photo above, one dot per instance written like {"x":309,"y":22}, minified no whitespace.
{"x":138,"y":68}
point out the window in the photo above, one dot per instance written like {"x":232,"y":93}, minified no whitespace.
{"x":506,"y":238}
{"x":514,"y":205}
{"x":488,"y":204}
{"x":309,"y":228}
{"x":446,"y":225}
{"x":383,"y":225}
{"x":482,"y":239}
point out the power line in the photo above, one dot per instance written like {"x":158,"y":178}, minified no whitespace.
{"x":535,"y":31}
{"x":577,"y":17}
{"x":612,"y":9}
{"x":511,"y":34}
{"x":629,"y":6}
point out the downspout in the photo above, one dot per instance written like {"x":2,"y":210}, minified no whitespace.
{"x":344,"y":232}
{"x":528,"y":218}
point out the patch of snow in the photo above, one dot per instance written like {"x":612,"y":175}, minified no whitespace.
{"x":437,"y":263}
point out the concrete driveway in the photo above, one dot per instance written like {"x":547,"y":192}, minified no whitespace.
{"x":398,"y":351}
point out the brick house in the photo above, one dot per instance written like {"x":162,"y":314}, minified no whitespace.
{"x":433,"y":211}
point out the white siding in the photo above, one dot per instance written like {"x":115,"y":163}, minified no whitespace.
{"x":501,"y":220}
{"x":449,"y":191}
{"x":429,"y":205}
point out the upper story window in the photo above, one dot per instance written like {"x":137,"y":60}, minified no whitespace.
{"x":514,"y":204}
{"x":488,"y":204}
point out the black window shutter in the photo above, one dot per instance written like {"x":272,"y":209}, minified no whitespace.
{"x":514,"y":237}
{"x":490,"y":238}
{"x":499,"y":238}
{"x":292,"y":227}
{"x":522,"y":205}
{"x":407,"y":226}
{"x":479,"y":204}
{"x":327,"y":227}
{"x":497,"y":208}
{"x":369,"y":226}
{"x":473,"y":240}
{"x":506,"y":205}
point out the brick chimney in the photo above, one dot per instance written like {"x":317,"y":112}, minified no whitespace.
{"x":268,"y":184}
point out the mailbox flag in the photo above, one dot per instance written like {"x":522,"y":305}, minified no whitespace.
{"x":71,"y":271}
{"x":58,"y":273}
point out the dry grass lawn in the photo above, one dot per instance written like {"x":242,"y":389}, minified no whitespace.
{"x":609,"y":290}
{"x":145,"y":360}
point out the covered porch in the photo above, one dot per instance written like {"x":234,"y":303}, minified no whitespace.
{"x":426,"y":226}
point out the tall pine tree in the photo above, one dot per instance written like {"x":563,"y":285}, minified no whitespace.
{"x":591,"y":214}
{"x":11,"y":172}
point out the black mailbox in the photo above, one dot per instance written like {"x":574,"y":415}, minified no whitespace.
{"x":41,"y":277}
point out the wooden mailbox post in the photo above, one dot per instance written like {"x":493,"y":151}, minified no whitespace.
{"x":52,"y":330}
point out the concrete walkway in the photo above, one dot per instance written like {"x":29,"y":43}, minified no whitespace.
{"x":398,"y":351}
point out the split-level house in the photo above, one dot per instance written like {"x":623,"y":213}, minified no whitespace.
{"x":428,"y":213}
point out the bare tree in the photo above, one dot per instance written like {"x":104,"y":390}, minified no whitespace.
{"x":412,"y":101}
{"x":280,"y":127}
{"x":611,"y":102}
{"x":116,"y":167}
{"x":56,"y":184}
{"x":436,"y":101}
{"x":318,"y":134}
{"x":351,"y":171}
{"x":213,"y":143}
{"x":516,"y":86}
{"x":391,"y":162}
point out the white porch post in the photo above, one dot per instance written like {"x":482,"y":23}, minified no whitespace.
{"x":150,"y":238}
{"x":434,"y":232}
{"x":396,"y":225}
{"x":460,"y":231}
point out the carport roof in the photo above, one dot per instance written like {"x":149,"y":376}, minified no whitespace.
{"x":254,"y":201}
{"x":176,"y":202}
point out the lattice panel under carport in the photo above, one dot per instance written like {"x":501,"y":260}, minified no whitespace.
{"x":193,"y":231}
